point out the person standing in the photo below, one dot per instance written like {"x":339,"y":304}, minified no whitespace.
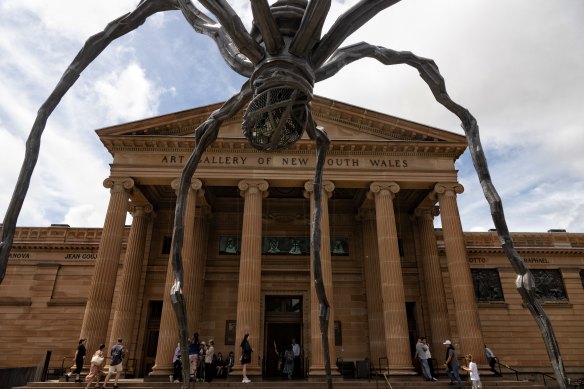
{"x":79,"y":359}
{"x":422,"y":355}
{"x":430,"y":360}
{"x":117,"y":353}
{"x":177,"y":365}
{"x":209,"y":355}
{"x":492,"y":359}
{"x":288,"y":362}
{"x":194,"y":350}
{"x":297,"y":361}
{"x":474,"y":372}
{"x":245,"y":358}
{"x":451,"y":364}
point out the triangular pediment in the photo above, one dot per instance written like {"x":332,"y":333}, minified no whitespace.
{"x":344,"y":124}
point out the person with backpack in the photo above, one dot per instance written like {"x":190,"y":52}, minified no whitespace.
{"x":117,"y":352}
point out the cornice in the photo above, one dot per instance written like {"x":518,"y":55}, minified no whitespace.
{"x":44,"y":246}
{"x":521,"y":251}
{"x":179,"y":145}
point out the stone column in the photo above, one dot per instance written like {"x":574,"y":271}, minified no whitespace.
{"x":193,"y":264}
{"x":435,"y":296}
{"x":168,"y":335}
{"x":250,"y":271}
{"x":395,"y":319}
{"x":372,"y":283}
{"x":467,"y":314}
{"x":103,"y":282}
{"x":123,"y":323}
{"x":316,"y":352}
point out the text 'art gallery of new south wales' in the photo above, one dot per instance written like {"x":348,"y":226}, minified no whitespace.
{"x":390,"y":276}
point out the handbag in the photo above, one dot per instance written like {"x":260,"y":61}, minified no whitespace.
{"x":97,"y":360}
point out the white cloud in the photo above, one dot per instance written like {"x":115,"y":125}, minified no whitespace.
{"x":515,"y":65}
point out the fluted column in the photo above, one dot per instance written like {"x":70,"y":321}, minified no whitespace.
{"x":250,"y":270}
{"x":435,"y":296}
{"x":467,"y":315}
{"x":193,"y":265}
{"x":103,"y":281}
{"x":392,"y":285}
{"x":372,"y":282}
{"x":197,"y":268}
{"x":317,"y":366}
{"x":125,"y":309}
{"x":168,"y":334}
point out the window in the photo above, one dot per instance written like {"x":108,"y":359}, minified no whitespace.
{"x":549,"y":285}
{"x":487,"y":285}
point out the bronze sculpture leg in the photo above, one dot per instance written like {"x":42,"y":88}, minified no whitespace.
{"x":431,"y":75}
{"x":322,"y":144}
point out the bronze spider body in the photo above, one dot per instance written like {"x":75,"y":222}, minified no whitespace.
{"x":283,"y":57}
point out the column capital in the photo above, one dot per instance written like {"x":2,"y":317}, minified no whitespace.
{"x":253,"y":186}
{"x":381,"y":187}
{"x":327,"y":186}
{"x":427,"y":213}
{"x":140,"y":209}
{"x":118,"y":184}
{"x":196,"y":184}
{"x":448,"y":189}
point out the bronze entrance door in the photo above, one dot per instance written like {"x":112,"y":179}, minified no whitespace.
{"x":283,"y":322}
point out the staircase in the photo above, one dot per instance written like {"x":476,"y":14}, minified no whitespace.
{"x":379,"y":383}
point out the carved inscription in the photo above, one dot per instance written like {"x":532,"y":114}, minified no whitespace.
{"x":287,"y":161}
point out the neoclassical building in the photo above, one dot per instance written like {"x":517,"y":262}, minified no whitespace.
{"x":389,"y":274}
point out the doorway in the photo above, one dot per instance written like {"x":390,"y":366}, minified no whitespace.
{"x":283,"y":322}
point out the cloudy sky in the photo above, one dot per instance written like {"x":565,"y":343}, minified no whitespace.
{"x":517,"y":65}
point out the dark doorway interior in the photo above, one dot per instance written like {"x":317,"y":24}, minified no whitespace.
{"x":151,"y":343}
{"x":283,"y":323}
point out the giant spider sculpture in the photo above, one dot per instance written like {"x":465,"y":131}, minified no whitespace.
{"x":282,"y":57}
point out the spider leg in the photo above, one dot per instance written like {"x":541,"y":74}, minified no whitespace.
{"x":322,"y":144}
{"x":203,"y":24}
{"x":232,"y":24}
{"x":345,"y":25}
{"x":431,"y":75}
{"x":308,"y":33}
{"x":90,"y":50}
{"x":205,"y":134}
{"x":266,"y":24}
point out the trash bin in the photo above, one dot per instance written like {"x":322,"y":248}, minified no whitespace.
{"x":363,"y":369}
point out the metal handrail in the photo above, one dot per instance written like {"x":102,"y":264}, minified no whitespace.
{"x":63,"y":363}
{"x":543,"y":375}
{"x":386,"y":376}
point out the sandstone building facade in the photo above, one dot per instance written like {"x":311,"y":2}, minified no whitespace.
{"x":390,"y":275}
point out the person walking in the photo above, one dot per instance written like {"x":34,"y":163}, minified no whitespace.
{"x":117,"y":352}
{"x":97,"y":361}
{"x":245,"y":358}
{"x":474,"y":372}
{"x":79,"y":359}
{"x":451,"y":364}
{"x":492,"y":359}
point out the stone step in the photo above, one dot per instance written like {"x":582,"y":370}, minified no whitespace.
{"x":396,"y":383}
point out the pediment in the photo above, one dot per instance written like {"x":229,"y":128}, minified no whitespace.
{"x":345,"y":124}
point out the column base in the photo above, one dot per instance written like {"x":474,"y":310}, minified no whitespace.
{"x":157,"y":372}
